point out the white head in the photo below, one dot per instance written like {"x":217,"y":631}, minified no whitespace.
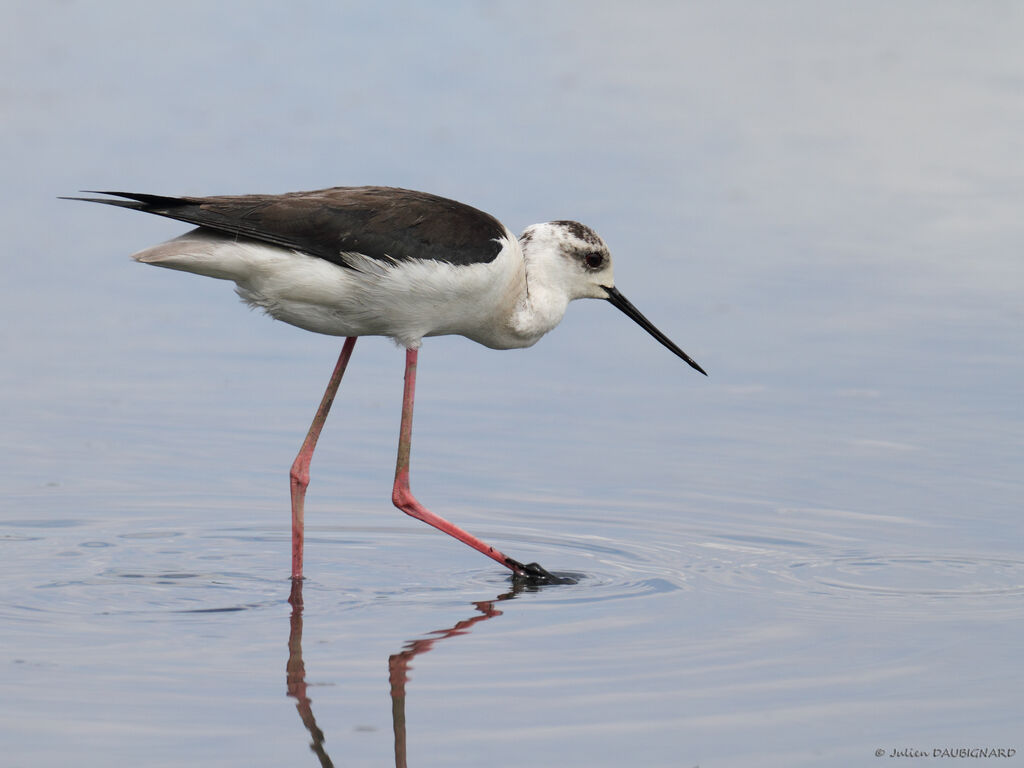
{"x":573,"y":257}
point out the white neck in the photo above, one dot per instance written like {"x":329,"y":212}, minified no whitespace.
{"x":542,"y":304}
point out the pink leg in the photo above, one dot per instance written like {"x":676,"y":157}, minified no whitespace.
{"x":300,"y":467}
{"x":402,"y":496}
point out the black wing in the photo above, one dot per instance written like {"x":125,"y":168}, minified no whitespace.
{"x":384,"y":223}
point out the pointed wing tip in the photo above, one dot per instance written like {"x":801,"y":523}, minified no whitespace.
{"x":135,"y":200}
{"x":103,"y":200}
{"x":93,"y":192}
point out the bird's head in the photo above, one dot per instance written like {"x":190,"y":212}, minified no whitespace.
{"x":574,"y":255}
{"x":578,"y":259}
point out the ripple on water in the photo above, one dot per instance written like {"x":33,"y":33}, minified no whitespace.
{"x":920,"y":575}
{"x":809,"y":575}
{"x":115,"y":591}
{"x":240,"y":569}
{"x":918,"y":585}
{"x":602,"y":569}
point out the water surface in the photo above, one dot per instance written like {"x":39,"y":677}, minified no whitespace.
{"x":811,"y":555}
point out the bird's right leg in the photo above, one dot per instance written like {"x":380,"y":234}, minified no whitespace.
{"x":300,"y":467}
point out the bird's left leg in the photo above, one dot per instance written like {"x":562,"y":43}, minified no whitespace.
{"x":405,"y":501}
{"x":300,"y":468}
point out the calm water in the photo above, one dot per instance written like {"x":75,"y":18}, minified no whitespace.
{"x":811,"y":555}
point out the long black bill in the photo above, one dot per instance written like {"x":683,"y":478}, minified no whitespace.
{"x":620,"y":301}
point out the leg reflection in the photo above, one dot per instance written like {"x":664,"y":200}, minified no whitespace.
{"x":296,"y":675}
{"x":399,"y":665}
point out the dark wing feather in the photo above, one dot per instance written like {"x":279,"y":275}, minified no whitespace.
{"x":380,"y":222}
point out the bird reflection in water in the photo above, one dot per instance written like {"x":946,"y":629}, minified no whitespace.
{"x":398,"y":666}
{"x":296,"y":676}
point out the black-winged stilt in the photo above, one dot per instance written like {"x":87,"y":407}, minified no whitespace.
{"x":381,"y":261}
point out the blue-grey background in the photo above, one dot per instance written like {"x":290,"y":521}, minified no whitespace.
{"x":811,"y":555}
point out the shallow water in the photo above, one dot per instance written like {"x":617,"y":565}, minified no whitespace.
{"x":811,"y":555}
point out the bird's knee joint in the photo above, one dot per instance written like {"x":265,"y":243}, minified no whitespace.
{"x":401,"y":497}
{"x":299,"y":478}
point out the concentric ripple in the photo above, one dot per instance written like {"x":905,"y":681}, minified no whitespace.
{"x":922,"y":584}
{"x":921,"y":575}
{"x":242,"y":568}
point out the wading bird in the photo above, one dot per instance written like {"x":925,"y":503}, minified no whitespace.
{"x":382,"y":261}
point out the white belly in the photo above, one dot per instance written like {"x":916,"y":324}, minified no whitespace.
{"x":405,"y":300}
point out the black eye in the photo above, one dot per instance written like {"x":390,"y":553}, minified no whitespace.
{"x":594,"y":260}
